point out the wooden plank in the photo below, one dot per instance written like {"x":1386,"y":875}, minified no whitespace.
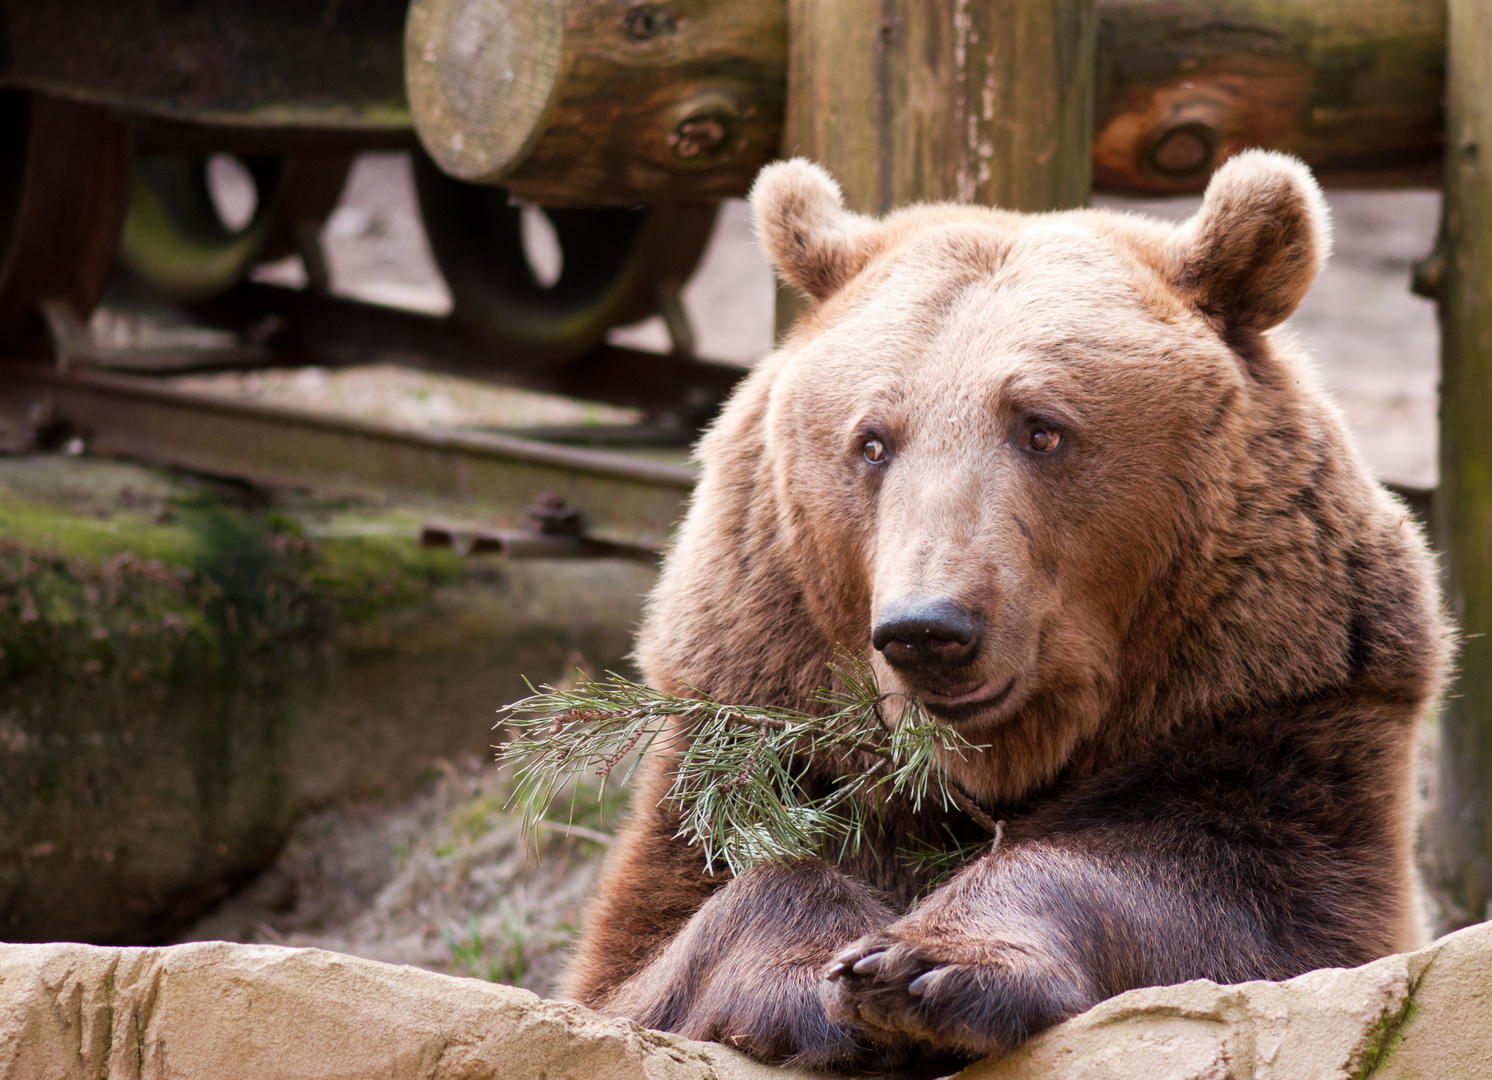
{"x":1464,"y":510}
{"x":283,"y":64}
{"x":997,"y":111}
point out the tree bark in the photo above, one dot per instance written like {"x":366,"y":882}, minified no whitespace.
{"x":1464,"y":510}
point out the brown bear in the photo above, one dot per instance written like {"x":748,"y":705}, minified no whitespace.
{"x":1061,"y":479}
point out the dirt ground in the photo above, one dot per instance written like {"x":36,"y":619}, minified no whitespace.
{"x":442,"y":880}
{"x":445,"y":880}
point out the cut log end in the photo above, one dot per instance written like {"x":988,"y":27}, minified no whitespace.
{"x":481,"y":76}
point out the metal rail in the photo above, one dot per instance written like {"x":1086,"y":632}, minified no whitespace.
{"x":492,"y":477}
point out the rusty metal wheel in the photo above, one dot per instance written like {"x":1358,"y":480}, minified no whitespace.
{"x":64,"y":187}
{"x":179,"y":241}
{"x":310,"y":190}
{"x":613,"y":259}
{"x":176,"y":238}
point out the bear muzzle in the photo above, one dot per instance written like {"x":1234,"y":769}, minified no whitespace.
{"x":932,"y":642}
{"x":927,"y":636}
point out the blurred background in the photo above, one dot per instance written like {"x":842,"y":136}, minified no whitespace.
{"x":349,"y":360}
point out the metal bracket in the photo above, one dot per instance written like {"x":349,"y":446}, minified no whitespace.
{"x":552,"y":531}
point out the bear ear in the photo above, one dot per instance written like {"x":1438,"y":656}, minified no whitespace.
{"x":815,"y":243}
{"x":1247,"y":257}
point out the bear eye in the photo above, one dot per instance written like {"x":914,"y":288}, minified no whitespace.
{"x":874,"y":451}
{"x":1045,"y":440}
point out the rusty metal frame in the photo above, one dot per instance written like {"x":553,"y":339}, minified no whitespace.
{"x":493,"y":477}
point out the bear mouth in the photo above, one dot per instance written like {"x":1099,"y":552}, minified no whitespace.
{"x":960,"y":702}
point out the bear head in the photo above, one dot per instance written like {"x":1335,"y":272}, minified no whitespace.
{"x":1058,"y":475}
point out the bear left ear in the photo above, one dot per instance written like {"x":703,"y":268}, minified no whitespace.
{"x":1247,"y":257}
{"x":815,"y":243}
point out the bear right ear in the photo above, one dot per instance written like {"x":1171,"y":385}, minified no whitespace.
{"x":1247,"y":257}
{"x":815,"y":243}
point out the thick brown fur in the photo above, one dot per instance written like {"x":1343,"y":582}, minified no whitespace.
{"x":1219,"y":632}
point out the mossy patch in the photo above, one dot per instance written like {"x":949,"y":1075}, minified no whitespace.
{"x":182,"y":580}
{"x":1385,"y":1038}
{"x":362,"y":577}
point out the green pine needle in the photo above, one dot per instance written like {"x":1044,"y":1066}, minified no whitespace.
{"x":737,"y":775}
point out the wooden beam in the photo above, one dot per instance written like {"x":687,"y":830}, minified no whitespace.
{"x":986,"y":101}
{"x":1464,"y":511}
{"x":1353,"y":88}
{"x":613,"y":101}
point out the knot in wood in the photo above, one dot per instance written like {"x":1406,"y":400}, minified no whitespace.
{"x":701,"y":135}
{"x":647,"y":21}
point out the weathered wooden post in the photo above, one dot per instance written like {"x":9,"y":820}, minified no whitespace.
{"x":987,"y":101}
{"x":1464,"y":509}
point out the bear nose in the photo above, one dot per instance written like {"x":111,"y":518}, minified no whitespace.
{"x":920,"y":631}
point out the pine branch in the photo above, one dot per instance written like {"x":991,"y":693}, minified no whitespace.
{"x":739,"y":770}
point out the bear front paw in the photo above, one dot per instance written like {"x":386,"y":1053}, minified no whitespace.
{"x":960,"y":997}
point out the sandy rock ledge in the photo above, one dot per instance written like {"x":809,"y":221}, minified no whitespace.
{"x":215,"y":1011}
{"x":1423,"y":1015}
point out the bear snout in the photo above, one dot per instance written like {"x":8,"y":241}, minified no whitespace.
{"x":918,"y":633}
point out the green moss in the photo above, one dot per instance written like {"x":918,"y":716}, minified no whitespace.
{"x":1385,"y":1039}
{"x":48,"y":528}
{"x":185,"y":584}
{"x":75,"y":607}
{"x":363,"y":577}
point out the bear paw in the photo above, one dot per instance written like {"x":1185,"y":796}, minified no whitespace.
{"x":954,"y":996}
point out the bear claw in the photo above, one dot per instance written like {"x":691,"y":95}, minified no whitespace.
{"x":918,"y":986}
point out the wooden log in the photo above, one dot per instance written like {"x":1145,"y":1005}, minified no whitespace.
{"x":1464,"y":509}
{"x":984,"y":101}
{"x":599,"y":101}
{"x":615,"y":101}
{"x":1353,"y":88}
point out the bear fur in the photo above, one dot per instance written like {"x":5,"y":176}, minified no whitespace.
{"x":1205,"y":635}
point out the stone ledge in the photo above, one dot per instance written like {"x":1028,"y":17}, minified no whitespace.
{"x":215,"y":1011}
{"x":1424,"y":1015}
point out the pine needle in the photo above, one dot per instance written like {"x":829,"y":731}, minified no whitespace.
{"x":738,"y":770}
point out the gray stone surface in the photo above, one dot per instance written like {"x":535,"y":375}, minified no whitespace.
{"x":139,"y":786}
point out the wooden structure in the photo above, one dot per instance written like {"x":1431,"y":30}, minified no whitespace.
{"x":1464,"y":503}
{"x":599,"y":101}
{"x":977,"y":100}
{"x":582,"y":102}
{"x":1352,"y":88}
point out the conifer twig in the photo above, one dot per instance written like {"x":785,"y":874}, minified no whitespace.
{"x":973,"y":809}
{"x":739,"y":772}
